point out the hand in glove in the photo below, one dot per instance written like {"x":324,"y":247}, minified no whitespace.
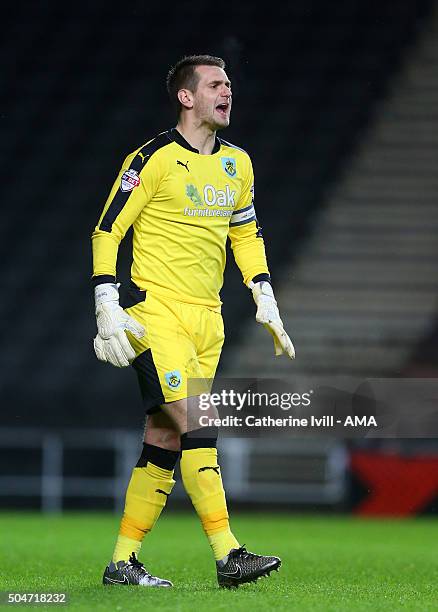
{"x":269,"y":316}
{"x":111,"y":343}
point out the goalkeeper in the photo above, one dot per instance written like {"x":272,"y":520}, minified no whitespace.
{"x":184,"y":192}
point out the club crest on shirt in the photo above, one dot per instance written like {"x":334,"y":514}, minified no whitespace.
{"x":173,"y":379}
{"x":130,"y":179}
{"x":229,"y":165}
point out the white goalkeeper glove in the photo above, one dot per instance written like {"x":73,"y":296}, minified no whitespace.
{"x":269,"y":316}
{"x":111,"y":343}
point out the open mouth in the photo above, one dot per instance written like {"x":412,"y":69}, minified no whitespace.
{"x":222,"y":108}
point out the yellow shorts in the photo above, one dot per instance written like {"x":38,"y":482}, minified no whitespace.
{"x":182,"y":342}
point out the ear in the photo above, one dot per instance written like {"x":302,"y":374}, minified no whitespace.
{"x":185,"y":96}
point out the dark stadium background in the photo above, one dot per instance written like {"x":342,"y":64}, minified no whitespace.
{"x":315,"y":86}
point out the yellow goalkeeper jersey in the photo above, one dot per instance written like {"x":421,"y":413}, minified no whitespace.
{"x":182,"y":206}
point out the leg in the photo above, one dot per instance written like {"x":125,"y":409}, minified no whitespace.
{"x":161,"y":431}
{"x":150,"y":485}
{"x":160,"y":363}
{"x":203,"y":483}
{"x":201,"y":473}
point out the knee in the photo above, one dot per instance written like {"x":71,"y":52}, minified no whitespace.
{"x":168,"y":439}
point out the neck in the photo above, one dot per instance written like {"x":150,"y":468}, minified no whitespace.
{"x":199,"y":137}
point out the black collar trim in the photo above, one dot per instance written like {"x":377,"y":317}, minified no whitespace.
{"x":179,"y":139}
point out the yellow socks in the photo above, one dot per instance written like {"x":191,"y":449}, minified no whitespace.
{"x":203,"y":482}
{"x":151,"y":483}
{"x":145,"y":499}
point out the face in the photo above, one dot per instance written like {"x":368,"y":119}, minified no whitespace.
{"x":211,"y":102}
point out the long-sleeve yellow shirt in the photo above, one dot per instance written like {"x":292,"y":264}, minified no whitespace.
{"x":182,"y":206}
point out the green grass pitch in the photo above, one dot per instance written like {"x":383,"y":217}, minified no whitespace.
{"x":329,"y":563}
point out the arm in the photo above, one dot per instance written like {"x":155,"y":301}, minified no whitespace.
{"x":135,"y":185}
{"x":249,"y":252}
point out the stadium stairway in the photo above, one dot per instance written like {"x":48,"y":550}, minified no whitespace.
{"x":364,"y":289}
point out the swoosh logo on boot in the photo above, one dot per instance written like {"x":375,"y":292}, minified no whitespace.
{"x":124,"y":581}
{"x":236,"y":574}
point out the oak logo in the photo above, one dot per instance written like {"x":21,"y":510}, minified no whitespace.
{"x":219,"y":197}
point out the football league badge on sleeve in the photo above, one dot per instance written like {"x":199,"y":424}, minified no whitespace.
{"x":130,"y":179}
{"x":229,"y":165}
{"x":173,"y":379}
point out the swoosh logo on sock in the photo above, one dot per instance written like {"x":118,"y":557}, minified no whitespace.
{"x":236,"y":574}
{"x":124,"y":581}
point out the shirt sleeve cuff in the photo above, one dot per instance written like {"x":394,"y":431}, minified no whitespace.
{"x":262,"y":277}
{"x":103,"y":278}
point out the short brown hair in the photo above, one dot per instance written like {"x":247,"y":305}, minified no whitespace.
{"x":184,"y":76}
